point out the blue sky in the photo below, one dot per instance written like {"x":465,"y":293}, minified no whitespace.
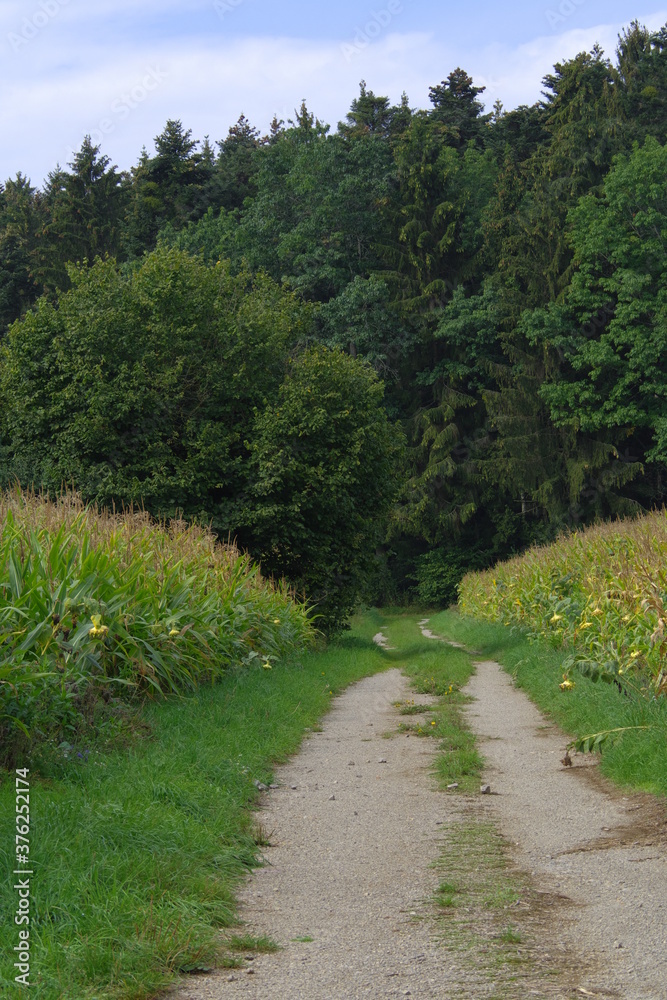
{"x":117,"y":69}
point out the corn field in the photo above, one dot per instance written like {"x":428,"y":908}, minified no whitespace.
{"x":126,"y":604}
{"x":600,"y":594}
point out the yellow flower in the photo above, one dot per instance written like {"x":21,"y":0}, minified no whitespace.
{"x":556,"y":618}
{"x":267,"y":665}
{"x":585,"y":625}
{"x":566,"y":685}
{"x":97,"y":628}
{"x":276,"y":621}
{"x":174,"y":631}
{"x":597,"y":611}
{"x":433,"y":723}
{"x":635,"y":653}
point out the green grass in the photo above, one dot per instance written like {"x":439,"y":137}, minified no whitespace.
{"x":491,"y":919}
{"x":137,"y":854}
{"x":246,"y":942}
{"x":636,"y":758}
{"x":440,"y":671}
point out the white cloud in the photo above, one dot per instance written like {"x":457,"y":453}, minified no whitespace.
{"x":61,"y":91}
{"x":515,"y":75}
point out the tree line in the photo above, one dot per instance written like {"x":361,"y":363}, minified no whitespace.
{"x":212,"y":330}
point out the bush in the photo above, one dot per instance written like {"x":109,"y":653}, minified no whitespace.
{"x":438,"y":575}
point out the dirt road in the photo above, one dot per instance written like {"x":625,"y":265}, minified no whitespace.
{"x":355,"y":826}
{"x":580,"y":839}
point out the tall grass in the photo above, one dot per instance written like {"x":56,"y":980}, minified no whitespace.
{"x":98,"y":600}
{"x":598,"y":594}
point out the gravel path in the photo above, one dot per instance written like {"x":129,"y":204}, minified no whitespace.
{"x":580,"y":838}
{"x":349,"y":859}
{"x":356,"y":823}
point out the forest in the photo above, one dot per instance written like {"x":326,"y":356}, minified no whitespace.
{"x":378,"y":355}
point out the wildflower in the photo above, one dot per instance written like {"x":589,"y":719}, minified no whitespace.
{"x":556,"y":618}
{"x":585,"y":625}
{"x":566,"y":685}
{"x":98,"y":629}
{"x":174,"y":631}
{"x":433,"y":723}
{"x":635,"y":653}
{"x":625,"y":618}
{"x":596,"y":611}
{"x":276,"y":621}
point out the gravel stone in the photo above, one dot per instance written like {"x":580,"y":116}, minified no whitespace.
{"x":349,"y":878}
{"x":580,"y":838}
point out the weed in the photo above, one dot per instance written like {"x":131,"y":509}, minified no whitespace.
{"x":246,"y":942}
{"x":511,"y":935}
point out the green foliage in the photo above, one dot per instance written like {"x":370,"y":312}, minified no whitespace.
{"x":167,"y":187}
{"x":140,"y":387}
{"x":456,"y":106}
{"x":95,"y":605}
{"x":82,"y":215}
{"x":438,"y":575}
{"x":502,"y":272}
{"x":162,"y":834}
{"x":315,"y":221}
{"x":171,"y":386}
{"x":598,"y":595}
{"x":18,"y":248}
{"x":326,"y":461}
{"x":613,"y":325}
{"x":363,"y":320}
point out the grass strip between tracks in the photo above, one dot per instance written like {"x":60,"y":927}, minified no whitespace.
{"x":635,"y":756}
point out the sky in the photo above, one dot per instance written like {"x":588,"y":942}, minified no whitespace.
{"x":118,"y":69}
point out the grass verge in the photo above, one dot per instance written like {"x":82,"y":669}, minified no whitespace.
{"x":635,"y":758}
{"x":137,"y":853}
